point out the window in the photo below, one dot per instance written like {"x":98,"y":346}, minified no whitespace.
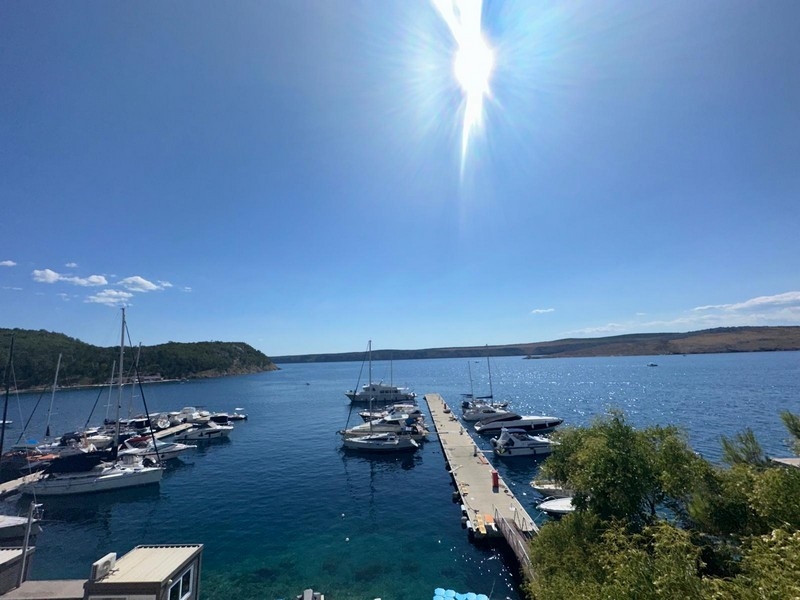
{"x":182,"y":588}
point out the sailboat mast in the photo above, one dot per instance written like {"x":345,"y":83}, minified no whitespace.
{"x":491,"y":391}
{"x":7,"y":376}
{"x":370,"y":363}
{"x":121,"y":358}
{"x":52,"y":397}
{"x":110,"y":387}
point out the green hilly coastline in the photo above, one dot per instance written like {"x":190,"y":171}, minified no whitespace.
{"x":728,"y":339}
{"x":36,"y":354}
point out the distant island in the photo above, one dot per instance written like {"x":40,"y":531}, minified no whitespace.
{"x":708,"y":341}
{"x":36,"y":354}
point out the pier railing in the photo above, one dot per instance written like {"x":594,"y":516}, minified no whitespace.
{"x":518,"y":536}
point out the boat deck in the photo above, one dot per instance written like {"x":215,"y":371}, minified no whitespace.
{"x":161,"y":434}
{"x":474,"y":477}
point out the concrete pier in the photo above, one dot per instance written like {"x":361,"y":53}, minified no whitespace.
{"x":491,"y":508}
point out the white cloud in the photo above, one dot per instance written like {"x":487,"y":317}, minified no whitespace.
{"x":165,"y":284}
{"x":7,"y":263}
{"x":45,"y":276}
{"x":110,"y":297}
{"x":71,"y":265}
{"x":541,"y":311}
{"x":760,"y":302}
{"x":50,"y":276}
{"x":138,"y":284}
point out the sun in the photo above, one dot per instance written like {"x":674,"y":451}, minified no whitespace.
{"x":473,"y":64}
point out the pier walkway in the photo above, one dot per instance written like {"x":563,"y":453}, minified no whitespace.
{"x":492,"y":510}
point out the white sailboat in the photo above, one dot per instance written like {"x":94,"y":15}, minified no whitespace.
{"x":381,"y":393}
{"x":373,"y":436}
{"x":90,"y":472}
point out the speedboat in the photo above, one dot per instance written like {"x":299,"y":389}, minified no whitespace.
{"x":205,"y":432}
{"x":550,"y":489}
{"x":518,"y":442}
{"x":145,"y":447}
{"x":557,"y":507}
{"x":533,"y":423}
{"x":480,"y":411}
{"x":381,"y":442}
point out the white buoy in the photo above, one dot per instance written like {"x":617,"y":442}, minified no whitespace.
{"x":347,"y":539}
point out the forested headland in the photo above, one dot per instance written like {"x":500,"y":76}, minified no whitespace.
{"x":36,"y":355}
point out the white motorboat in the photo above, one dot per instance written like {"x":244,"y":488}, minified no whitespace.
{"x":205,"y":432}
{"x":532,"y":423}
{"x":550,"y":489}
{"x":557,"y":507}
{"x":381,"y":442}
{"x":481,"y":411}
{"x":155,"y":451}
{"x":518,"y":442}
{"x":13,"y":528}
{"x":380,"y":393}
{"x":412,"y":410}
{"x":101,"y":478}
{"x":400,"y":423}
{"x":190,"y":414}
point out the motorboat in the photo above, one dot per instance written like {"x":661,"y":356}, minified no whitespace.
{"x":557,"y":507}
{"x":237,"y":415}
{"x":518,"y":442}
{"x":190,"y":414}
{"x":550,"y":489}
{"x":13,"y":528}
{"x":480,"y":411}
{"x":205,"y":432}
{"x":103,"y":477}
{"x":511,"y":420}
{"x":410,"y":409}
{"x":400,"y":423}
{"x":381,"y":442}
{"x":379,"y":393}
{"x":155,"y":451}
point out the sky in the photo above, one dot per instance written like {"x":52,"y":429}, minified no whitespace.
{"x":298,"y":174}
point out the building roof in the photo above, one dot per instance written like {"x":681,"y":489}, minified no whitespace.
{"x":55,"y":589}
{"x":9,"y":554}
{"x":151,"y":563}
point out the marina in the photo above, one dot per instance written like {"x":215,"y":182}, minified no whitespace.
{"x":281,"y":506}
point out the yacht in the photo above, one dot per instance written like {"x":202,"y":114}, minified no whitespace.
{"x":533,"y":423}
{"x":400,"y":423}
{"x":557,"y":507}
{"x":518,"y":442}
{"x":481,"y":411}
{"x":156,"y":451}
{"x":205,"y":432}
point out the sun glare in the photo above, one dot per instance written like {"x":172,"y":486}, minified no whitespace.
{"x":474,"y":61}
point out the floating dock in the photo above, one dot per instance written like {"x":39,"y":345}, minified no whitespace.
{"x":491,"y":509}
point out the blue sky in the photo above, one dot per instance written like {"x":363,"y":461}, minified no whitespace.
{"x":289,"y":173}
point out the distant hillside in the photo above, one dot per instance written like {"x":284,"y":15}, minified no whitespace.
{"x":728,"y":339}
{"x":36,"y":354}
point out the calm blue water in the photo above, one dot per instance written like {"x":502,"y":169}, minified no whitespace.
{"x":281,"y":507}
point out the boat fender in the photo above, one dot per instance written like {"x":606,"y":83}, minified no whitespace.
{"x":464,"y":522}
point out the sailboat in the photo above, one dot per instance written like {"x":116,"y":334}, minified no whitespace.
{"x":365,"y":438}
{"x":95,"y":471}
{"x":482,"y":407}
{"x":381,"y":393}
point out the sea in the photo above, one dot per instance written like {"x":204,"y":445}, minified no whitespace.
{"x":281,"y":506}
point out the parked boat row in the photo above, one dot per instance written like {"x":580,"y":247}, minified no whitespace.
{"x":121,"y":454}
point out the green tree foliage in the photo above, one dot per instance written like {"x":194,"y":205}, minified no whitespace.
{"x":620,"y":473}
{"x":743,"y":449}
{"x":792,"y":423}
{"x":36,"y":354}
{"x":690,"y":530}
